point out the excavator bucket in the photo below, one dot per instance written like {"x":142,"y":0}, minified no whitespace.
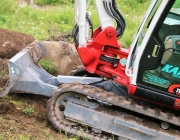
{"x":26,"y":76}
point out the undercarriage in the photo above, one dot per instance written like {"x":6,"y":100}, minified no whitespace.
{"x":92,"y":113}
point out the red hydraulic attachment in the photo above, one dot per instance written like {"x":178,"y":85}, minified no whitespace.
{"x":105,"y":44}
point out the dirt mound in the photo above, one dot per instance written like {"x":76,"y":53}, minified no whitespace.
{"x":6,"y":107}
{"x":12,"y":42}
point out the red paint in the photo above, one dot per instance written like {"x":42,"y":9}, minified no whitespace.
{"x":110,"y":32}
{"x":104,"y":43}
{"x":172,"y":87}
{"x":84,"y":52}
{"x":177,"y":104}
{"x":132,"y":89}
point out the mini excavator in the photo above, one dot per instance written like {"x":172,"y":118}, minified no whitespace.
{"x":118,"y":93}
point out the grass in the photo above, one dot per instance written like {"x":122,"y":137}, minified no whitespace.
{"x":41,"y":23}
{"x":28,"y":110}
{"x":50,"y":21}
{"x":49,"y":66}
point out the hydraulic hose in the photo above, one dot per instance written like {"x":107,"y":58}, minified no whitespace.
{"x":113,"y":11}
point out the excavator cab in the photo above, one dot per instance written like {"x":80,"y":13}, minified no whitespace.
{"x":154,"y":61}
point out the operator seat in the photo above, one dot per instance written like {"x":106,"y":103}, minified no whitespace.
{"x":174,"y":50}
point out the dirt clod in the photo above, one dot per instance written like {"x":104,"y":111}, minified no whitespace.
{"x":12,"y":42}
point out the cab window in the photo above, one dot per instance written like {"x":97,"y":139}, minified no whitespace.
{"x":164,"y":70}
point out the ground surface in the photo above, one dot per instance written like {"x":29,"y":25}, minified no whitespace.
{"x":23,"y":117}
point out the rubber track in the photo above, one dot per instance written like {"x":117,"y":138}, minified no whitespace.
{"x":110,"y":98}
{"x":62,"y":126}
{"x":129,"y":104}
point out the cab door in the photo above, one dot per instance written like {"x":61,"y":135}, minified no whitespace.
{"x":158,"y":71}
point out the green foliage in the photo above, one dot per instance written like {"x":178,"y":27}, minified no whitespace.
{"x":49,"y":66}
{"x":53,"y":2}
{"x":8,"y":7}
{"x":24,"y":137}
{"x":133,"y":12}
{"x":176,"y":4}
{"x":42,"y":24}
{"x":141,"y":1}
{"x":2,"y":137}
{"x":28,"y":110}
{"x":48,"y":135}
{"x":133,"y":4}
{"x":46,"y":23}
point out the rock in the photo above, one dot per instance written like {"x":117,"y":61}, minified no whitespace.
{"x":12,"y":42}
{"x":63,"y":55}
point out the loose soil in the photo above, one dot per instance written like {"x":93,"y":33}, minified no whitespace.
{"x":23,"y":116}
{"x":12,"y":42}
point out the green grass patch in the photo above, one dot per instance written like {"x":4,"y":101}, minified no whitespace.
{"x":49,"y":66}
{"x":28,"y":110}
{"x":8,"y":7}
